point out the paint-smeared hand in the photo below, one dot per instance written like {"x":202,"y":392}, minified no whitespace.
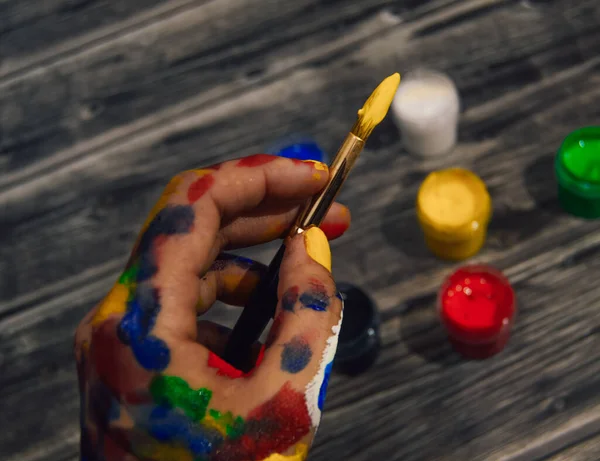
{"x":151,"y":381}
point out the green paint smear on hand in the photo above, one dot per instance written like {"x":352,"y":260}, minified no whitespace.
{"x":234,"y":427}
{"x":129,"y":276}
{"x":176,"y":393}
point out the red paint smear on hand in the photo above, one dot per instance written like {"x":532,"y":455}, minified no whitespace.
{"x":317,"y":285}
{"x":199,"y":187}
{"x":256,"y":160}
{"x":116,"y":446}
{"x":116,"y":365}
{"x":333,"y":230}
{"x":272,"y":427}
{"x":225,"y":369}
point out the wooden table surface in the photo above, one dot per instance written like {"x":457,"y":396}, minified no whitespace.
{"x":102,"y":101}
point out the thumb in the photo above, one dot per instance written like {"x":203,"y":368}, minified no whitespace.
{"x":303,"y":339}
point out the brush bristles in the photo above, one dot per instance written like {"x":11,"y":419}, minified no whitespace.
{"x":376,"y":107}
{"x":363,"y":128}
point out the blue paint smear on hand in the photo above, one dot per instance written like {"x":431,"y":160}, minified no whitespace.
{"x":134,"y":329}
{"x":152,"y":353}
{"x":324,"y":384}
{"x":315,"y":299}
{"x":289,"y":299}
{"x":225,"y":260}
{"x":303,"y":151}
{"x":169,"y":425}
{"x":296,"y":355}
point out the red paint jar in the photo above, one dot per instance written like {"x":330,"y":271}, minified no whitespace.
{"x":477,"y":307}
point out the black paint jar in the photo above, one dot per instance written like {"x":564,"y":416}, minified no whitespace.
{"x":359,"y":343}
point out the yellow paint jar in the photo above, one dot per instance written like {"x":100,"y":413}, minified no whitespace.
{"x":454,"y":209}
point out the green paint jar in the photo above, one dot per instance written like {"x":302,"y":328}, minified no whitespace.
{"x":577,"y":168}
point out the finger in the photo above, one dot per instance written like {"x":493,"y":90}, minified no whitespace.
{"x":231,"y":279}
{"x":271,"y":222}
{"x":183,"y":239}
{"x":336,"y":222}
{"x":303,"y":340}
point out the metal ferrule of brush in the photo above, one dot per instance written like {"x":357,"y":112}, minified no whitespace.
{"x":314,"y":211}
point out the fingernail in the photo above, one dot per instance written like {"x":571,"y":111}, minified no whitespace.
{"x":317,"y":246}
{"x":318,"y":165}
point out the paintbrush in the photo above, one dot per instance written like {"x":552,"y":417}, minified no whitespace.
{"x":262,"y":303}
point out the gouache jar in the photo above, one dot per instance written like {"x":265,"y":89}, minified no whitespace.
{"x":454,"y":209}
{"x":477,"y":307}
{"x":299,"y":147}
{"x":426,"y":110}
{"x":359,"y":343}
{"x":577,"y":169}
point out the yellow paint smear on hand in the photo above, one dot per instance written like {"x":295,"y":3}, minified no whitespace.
{"x":318,"y":165}
{"x":169,"y":191}
{"x":300,"y":455}
{"x":162,"y":452}
{"x":240,"y":285}
{"x":115,"y":303}
{"x":202,"y":172}
{"x":317,"y":246}
{"x":378,"y":104}
{"x":220,"y":424}
{"x":210,"y":423}
{"x":163,"y":200}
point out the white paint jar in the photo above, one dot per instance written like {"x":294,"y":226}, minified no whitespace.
{"x":426,"y":109}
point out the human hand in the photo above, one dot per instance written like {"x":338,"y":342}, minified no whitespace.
{"x":152,"y":384}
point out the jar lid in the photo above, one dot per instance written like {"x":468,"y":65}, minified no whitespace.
{"x":477,"y":307}
{"x":358,"y":342}
{"x":577,"y":166}
{"x":453,"y":204}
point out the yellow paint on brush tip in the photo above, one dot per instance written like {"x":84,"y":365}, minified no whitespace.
{"x":317,"y":246}
{"x":376,"y":107}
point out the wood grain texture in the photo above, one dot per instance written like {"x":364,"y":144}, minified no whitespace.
{"x":590,"y":449}
{"x":98,"y":112}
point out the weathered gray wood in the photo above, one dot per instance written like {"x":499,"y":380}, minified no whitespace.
{"x":133,"y":175}
{"x":30,"y":27}
{"x":184,"y":57}
{"x":94,"y":123}
{"x":586,"y":451}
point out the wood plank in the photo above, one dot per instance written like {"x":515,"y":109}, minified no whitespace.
{"x":35,"y":31}
{"x":421,"y":400}
{"x":169,"y":133}
{"x":45,"y":329}
{"x":529,"y":75}
{"x":182,"y":58}
{"x":575,"y":439}
{"x":108,"y":199}
{"x":433,"y":406}
{"x":586,"y":451}
{"x":137,"y":73}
